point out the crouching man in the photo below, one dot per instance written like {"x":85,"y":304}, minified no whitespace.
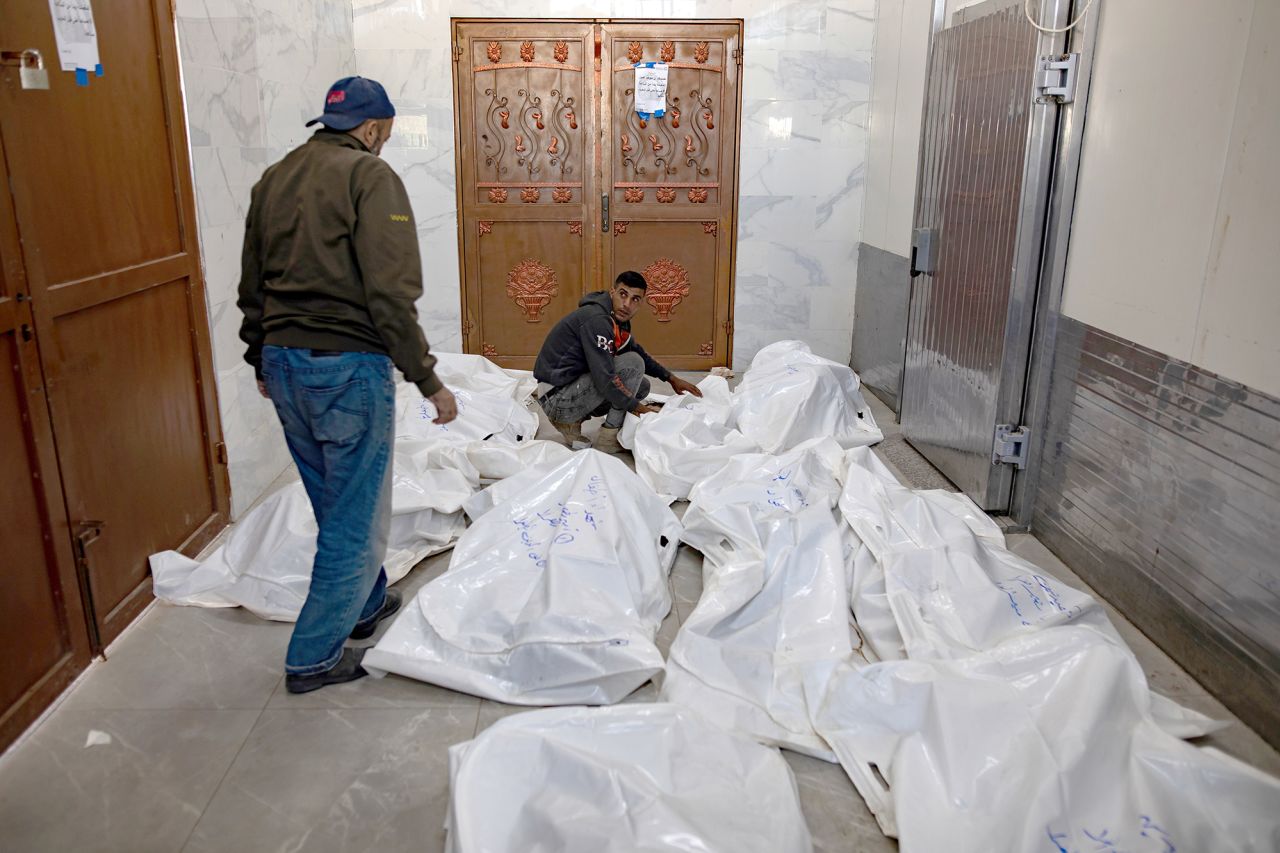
{"x":596,"y":367}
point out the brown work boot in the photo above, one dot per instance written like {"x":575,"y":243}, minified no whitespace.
{"x":607,"y":440}
{"x":572,"y":433}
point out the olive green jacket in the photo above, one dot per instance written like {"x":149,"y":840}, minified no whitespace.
{"x":331,"y":260}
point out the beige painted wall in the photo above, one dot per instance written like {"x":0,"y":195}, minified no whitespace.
{"x":897,"y":99}
{"x":1176,"y":238}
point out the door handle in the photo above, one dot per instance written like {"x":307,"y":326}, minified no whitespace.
{"x":84,"y":534}
{"x":87,"y":532}
{"x":604,"y":213}
{"x":923,"y":246}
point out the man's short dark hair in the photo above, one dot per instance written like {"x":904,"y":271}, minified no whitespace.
{"x":631,"y":278}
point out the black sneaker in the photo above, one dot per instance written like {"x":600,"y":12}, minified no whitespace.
{"x":347,"y":668}
{"x":390,"y":605}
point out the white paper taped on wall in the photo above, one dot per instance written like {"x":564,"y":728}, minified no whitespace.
{"x":653,"y":777}
{"x":553,"y":596}
{"x":76,"y":34}
{"x":651,"y":89}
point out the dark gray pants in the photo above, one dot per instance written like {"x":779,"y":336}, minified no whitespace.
{"x":580,"y":399}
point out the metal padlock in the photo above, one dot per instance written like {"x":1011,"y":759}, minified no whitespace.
{"x":32,"y":73}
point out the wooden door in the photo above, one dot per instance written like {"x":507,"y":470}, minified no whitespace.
{"x":672,"y":184}
{"x":41,"y":624}
{"x":551,"y":206}
{"x":103,"y":206}
{"x":524,"y":126}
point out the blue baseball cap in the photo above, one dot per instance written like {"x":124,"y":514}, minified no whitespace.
{"x":352,"y":101}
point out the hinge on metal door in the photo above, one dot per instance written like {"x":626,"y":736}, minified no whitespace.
{"x":1056,"y":79}
{"x":1011,"y":445}
{"x":457,"y":51}
{"x":220,"y":452}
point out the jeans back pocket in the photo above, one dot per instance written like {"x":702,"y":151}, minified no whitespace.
{"x":340,"y":414}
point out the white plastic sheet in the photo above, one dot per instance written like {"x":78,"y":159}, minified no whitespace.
{"x":478,"y":374}
{"x":934,"y":579}
{"x":651,"y":777}
{"x":553,"y":596}
{"x":790,"y":396}
{"x":1045,"y":742}
{"x":688,"y":440}
{"x":774,"y":614}
{"x":1019,"y":719}
{"x":265,"y":563}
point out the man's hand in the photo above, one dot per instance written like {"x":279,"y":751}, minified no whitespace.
{"x":681,"y":387}
{"x":642,"y":409}
{"x":262,"y":389}
{"x":446,"y":406}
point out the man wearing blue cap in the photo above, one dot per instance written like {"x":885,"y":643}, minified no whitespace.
{"x":330,"y":274}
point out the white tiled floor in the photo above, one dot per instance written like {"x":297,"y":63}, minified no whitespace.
{"x":208,"y":752}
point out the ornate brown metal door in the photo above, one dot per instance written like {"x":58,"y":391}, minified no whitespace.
{"x":561,"y":186}
{"x":524,"y":124}
{"x":672,"y":184}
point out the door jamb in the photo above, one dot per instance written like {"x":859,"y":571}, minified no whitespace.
{"x":1053,"y":270}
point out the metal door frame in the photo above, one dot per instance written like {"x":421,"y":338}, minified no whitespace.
{"x":1035,"y":305}
{"x":1053,"y":272}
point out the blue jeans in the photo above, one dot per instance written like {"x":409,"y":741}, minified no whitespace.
{"x":581,"y":399}
{"x":338,"y":414}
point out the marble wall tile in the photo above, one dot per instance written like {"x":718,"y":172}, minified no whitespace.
{"x":848,"y":29}
{"x":226,"y":41}
{"x":220,"y":249}
{"x":286,"y":109}
{"x":253,"y":74}
{"x":784,"y":26}
{"x":759,"y":73}
{"x":845,"y":124}
{"x":772,"y":303}
{"x":412,"y":77}
{"x":845,"y":76}
{"x":839,"y":208}
{"x":224,"y":322}
{"x":780,"y":171}
{"x":225,"y":176}
{"x":222,"y":108}
{"x":779,"y":124}
{"x":790,"y":219}
{"x":225,"y":319}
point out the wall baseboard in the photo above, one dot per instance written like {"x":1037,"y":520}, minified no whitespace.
{"x":880,"y":321}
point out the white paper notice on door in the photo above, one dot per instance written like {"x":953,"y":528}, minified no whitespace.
{"x":77,"y":36}
{"x":651,"y":88}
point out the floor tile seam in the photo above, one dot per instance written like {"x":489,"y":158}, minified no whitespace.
{"x":232,"y":763}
